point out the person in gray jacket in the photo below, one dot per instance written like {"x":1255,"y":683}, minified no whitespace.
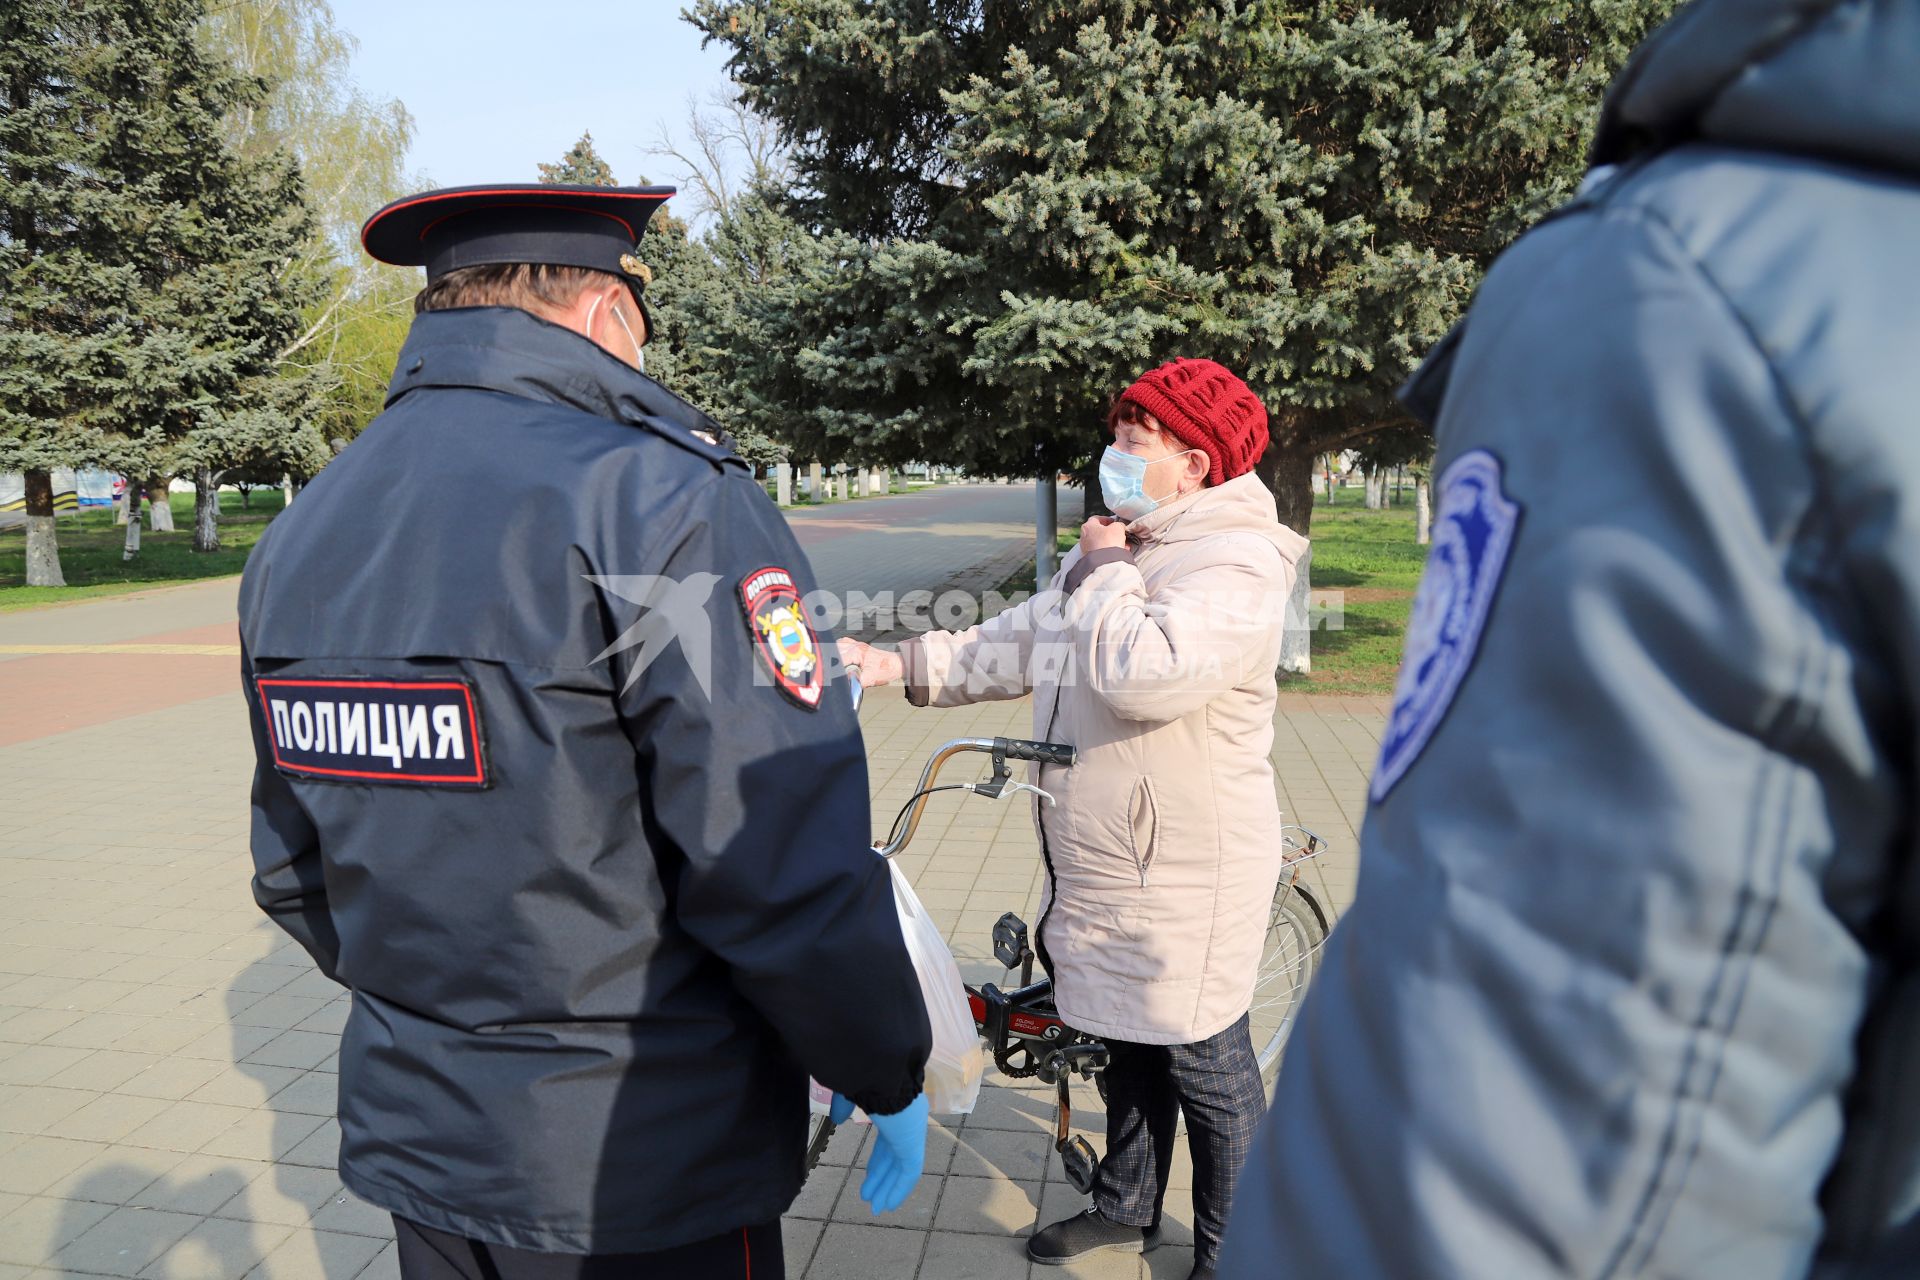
{"x":1631,"y":986}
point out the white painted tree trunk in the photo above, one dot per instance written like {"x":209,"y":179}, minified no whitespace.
{"x":1296,"y":643}
{"x":131,"y":547}
{"x":160,"y":506}
{"x":1422,"y":514}
{"x":286,"y":492}
{"x":206,"y":511}
{"x":43,"y":553}
{"x":783,"y":484}
{"x":813,"y":482}
{"x":120,"y":509}
{"x":43,"y":538}
{"x":1373,"y":490}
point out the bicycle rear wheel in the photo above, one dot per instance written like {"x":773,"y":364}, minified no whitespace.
{"x":819,"y":1133}
{"x":1296,"y":931}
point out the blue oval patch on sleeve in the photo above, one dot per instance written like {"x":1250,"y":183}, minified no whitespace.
{"x":1472,"y":533}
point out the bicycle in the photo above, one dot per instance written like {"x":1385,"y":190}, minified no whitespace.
{"x":1025,"y":1034}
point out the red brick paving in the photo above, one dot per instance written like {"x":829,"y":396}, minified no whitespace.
{"x":44,"y":694}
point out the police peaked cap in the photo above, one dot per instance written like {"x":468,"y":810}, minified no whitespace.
{"x":597,"y":228}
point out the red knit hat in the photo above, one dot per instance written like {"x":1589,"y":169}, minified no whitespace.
{"x":1207,"y":408}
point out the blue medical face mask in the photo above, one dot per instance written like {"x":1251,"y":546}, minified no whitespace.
{"x":1123,"y":482}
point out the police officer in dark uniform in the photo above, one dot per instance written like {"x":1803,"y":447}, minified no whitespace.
{"x":552,"y":778}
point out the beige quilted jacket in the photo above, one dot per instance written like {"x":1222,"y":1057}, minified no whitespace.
{"x":1157,"y":662}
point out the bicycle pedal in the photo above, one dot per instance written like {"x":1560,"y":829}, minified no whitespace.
{"x":1077,"y":1158}
{"x":1010,"y":941}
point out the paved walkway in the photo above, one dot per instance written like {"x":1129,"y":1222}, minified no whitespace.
{"x":167,"y":1058}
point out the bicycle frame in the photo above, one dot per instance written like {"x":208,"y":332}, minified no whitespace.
{"x":1025,"y":1035}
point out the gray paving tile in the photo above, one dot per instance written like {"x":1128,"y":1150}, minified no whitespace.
{"x":286,"y":1194}
{"x":916,"y":1214}
{"x":346,"y":1212}
{"x":319,"y":1255}
{"x":108,"y":1117}
{"x":33,"y":1163}
{"x":216,"y":1249}
{"x":819,"y":1193}
{"x":186,"y":1126}
{"x":114,"y":1175}
{"x":385,"y":1265}
{"x":849,"y":1251}
{"x":1021,"y":1156}
{"x":991,"y":1206}
{"x":951,"y":1256}
{"x":39,"y":1226}
{"x":201,"y":1185}
{"x":248,"y":1086}
{"x":125,"y":1241}
{"x":295,"y":1049}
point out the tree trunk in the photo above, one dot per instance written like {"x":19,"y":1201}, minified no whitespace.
{"x":1046,"y":530}
{"x":1373,"y":488}
{"x":286,"y":492}
{"x":1422,"y":513}
{"x":160,"y":503}
{"x":206,"y":511}
{"x":131,"y":547}
{"x":43,"y":540}
{"x":1289,"y":473}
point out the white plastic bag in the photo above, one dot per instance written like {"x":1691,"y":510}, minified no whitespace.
{"x":956,"y":1064}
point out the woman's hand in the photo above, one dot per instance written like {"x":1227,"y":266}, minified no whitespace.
{"x":877,"y":666}
{"x":1101,"y":532}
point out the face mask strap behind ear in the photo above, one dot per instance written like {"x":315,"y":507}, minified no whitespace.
{"x":639,"y":352}
{"x":586,"y":331}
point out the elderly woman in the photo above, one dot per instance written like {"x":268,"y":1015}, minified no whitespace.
{"x":1153,"y":651}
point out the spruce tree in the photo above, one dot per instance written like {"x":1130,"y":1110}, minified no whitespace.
{"x":581,"y":166}
{"x":694,"y":303}
{"x":157,"y":270}
{"x":60,"y":306}
{"x":1024,"y":205}
{"x":215,"y":237}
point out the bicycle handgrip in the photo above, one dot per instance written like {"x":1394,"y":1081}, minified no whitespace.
{"x":1044,"y":752}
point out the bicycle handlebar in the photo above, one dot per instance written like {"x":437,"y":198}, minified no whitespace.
{"x":1026,"y":749}
{"x":1005,"y":748}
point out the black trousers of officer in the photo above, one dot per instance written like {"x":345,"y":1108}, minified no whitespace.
{"x":753,"y":1253}
{"x":1216,"y":1084}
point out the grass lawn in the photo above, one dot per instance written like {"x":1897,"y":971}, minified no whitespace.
{"x":1369,"y":558}
{"x":90,"y":552}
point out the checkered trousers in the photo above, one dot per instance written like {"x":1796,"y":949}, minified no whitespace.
{"x":1216,"y":1083}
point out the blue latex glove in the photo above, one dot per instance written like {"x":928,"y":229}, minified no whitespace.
{"x":899,"y":1153}
{"x":839,"y":1109}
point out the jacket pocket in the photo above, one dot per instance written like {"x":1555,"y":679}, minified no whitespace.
{"x":1143,"y":821}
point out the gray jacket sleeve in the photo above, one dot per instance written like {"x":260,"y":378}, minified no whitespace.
{"x":1593,"y":1012}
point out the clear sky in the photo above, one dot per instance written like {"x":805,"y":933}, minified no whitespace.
{"x":496,"y":88}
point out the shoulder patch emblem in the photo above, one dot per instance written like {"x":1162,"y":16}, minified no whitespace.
{"x":1472,"y":533}
{"x":417,"y":733}
{"x":778,"y":623}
